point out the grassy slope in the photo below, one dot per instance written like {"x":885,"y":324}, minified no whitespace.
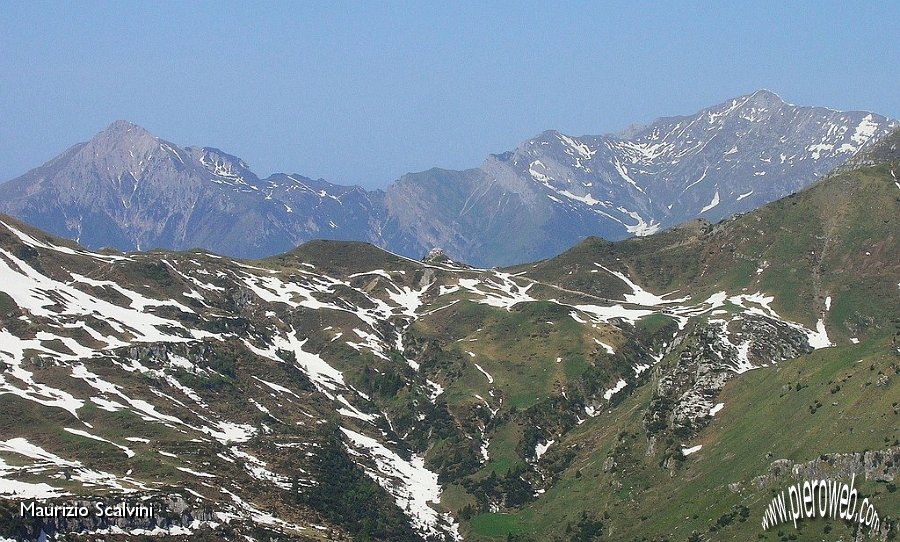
{"x":839,"y":238}
{"x":760,"y":417}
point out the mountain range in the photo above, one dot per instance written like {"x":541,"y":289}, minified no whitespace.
{"x":657,"y":388}
{"x":130,"y":190}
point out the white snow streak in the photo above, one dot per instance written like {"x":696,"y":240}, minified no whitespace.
{"x":688,"y":451}
{"x":713,"y":203}
{"x":412,"y":485}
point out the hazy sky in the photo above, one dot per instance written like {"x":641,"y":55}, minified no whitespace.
{"x":364,"y":92}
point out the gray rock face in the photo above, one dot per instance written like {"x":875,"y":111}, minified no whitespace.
{"x":877,"y":465}
{"x":130,"y":190}
{"x":687,"y":389}
{"x":133,"y":191}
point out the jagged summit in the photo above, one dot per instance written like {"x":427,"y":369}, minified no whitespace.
{"x":122,"y":126}
{"x":128,"y":189}
{"x":765,"y":97}
{"x":122,"y":134}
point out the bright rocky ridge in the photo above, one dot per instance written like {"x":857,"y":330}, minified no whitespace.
{"x":650,"y":389}
{"x":130,"y":190}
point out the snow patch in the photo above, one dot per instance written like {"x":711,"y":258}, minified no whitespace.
{"x":503,"y":293}
{"x":639,"y":296}
{"x":819,"y":337}
{"x":490,"y":378}
{"x":642,"y":228}
{"x":713,"y":203}
{"x":865,"y":130}
{"x":688,"y":451}
{"x":410,"y":482}
{"x":228,"y":432}
{"x":609,"y":349}
{"x":541,"y":448}
{"x":128,"y":451}
{"x":620,"y":385}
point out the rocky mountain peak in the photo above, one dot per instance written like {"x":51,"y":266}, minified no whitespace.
{"x":764,"y":98}
{"x":122,"y":126}
{"x":123,"y":133}
{"x":122,"y":148}
{"x":436,"y":255}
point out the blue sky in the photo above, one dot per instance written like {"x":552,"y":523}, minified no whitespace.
{"x":363,"y":92}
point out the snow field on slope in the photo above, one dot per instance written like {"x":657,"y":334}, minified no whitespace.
{"x":410,"y":482}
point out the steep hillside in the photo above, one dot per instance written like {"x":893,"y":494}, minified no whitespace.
{"x":659,"y":388}
{"x":801,"y":249}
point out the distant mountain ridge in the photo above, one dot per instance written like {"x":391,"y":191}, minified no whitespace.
{"x":133,"y":191}
{"x":730,"y":158}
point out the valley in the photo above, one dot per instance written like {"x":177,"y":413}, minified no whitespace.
{"x":655,"y":388}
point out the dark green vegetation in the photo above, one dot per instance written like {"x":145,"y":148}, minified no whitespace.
{"x":304,"y":396}
{"x":613,"y":478}
{"x":346,"y":496}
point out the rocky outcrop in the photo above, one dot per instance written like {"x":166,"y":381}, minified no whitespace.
{"x":686,"y":389}
{"x":768,"y":340}
{"x":873,"y":465}
{"x":709,"y":356}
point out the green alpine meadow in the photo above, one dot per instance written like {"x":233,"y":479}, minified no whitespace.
{"x":665,"y":387}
